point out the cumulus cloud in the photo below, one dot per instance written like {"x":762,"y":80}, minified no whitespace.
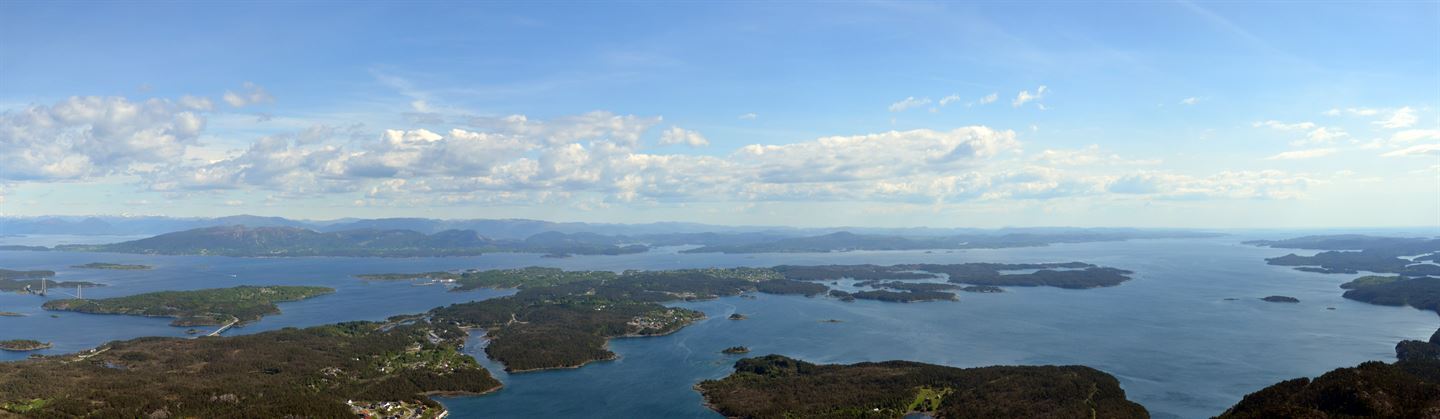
{"x":251,"y":94}
{"x":677,"y":135}
{"x":1400,"y":118}
{"x":749,"y":116}
{"x":1026,"y":97}
{"x":1303,"y":154}
{"x":990,"y":98}
{"x":1415,"y":150}
{"x":1189,"y":101}
{"x":1296,"y":126}
{"x":93,"y":136}
{"x":909,"y":102}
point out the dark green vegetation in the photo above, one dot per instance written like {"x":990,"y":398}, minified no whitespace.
{"x":22,"y":345}
{"x":737,"y":316}
{"x":1074,"y":275}
{"x":115,"y":266}
{"x":284,"y":373}
{"x":847,"y":241}
{"x":1349,"y":254}
{"x":1409,"y":388}
{"x":734,"y":350}
{"x":983,"y":289}
{"x":1366,"y":281}
{"x":194,"y":308}
{"x":1281,"y":299}
{"x":1422,"y":293}
{"x":293,"y":241}
{"x":566,"y":324}
{"x":790,"y":286}
{"x":1415,"y":350}
{"x":12,"y":281}
{"x":775,"y":386}
{"x":904,"y":297}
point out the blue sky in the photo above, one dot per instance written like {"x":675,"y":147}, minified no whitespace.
{"x":1277,"y":114}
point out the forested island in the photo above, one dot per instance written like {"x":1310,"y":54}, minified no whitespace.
{"x":337,"y":370}
{"x":20,"y":281}
{"x":112,"y":266}
{"x":776,"y":386}
{"x":1350,"y":254}
{"x":1073,"y":275}
{"x":1408,"y":388}
{"x":23,"y":345}
{"x":196,"y":308}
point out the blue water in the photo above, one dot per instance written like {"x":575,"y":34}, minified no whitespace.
{"x":1169,"y":335}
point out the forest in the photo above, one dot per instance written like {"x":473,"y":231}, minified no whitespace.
{"x":195,"y":308}
{"x":776,"y":386}
{"x":291,"y":372}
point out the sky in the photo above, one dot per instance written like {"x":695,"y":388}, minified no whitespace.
{"x":886,"y":114}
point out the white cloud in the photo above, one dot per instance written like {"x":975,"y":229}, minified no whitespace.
{"x":949,"y":99}
{"x":991,"y":98}
{"x":1297,"y":126}
{"x":196,"y":103}
{"x":907,"y":103}
{"x":677,"y":135}
{"x":1415,"y":150}
{"x":1189,"y":101}
{"x":1303,"y":154}
{"x":252,"y":94}
{"x":749,"y":116}
{"x":94,"y":136}
{"x":1401,"y":118}
{"x":1025,"y":96}
{"x":1412,"y":135}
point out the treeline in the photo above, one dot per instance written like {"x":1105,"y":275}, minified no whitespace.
{"x":1409,"y":388}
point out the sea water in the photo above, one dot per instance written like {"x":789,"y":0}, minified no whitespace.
{"x":1170,"y":335}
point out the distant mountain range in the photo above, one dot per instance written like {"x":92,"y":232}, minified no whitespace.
{"x":496,"y":228}
{"x":295,"y":241}
{"x":239,"y":240}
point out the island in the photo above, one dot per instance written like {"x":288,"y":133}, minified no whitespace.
{"x":905,"y":297}
{"x":776,"y":386}
{"x":242,"y":241}
{"x":340,"y":370}
{"x":982,"y":289}
{"x":1408,"y":388}
{"x":1071,"y":275}
{"x":737,"y":316}
{"x":23,"y":345}
{"x":112,"y":266}
{"x":735,"y":350}
{"x":10,"y":314}
{"x":30,"y":281}
{"x":1281,"y":299}
{"x":215,"y":306}
{"x":1351,"y":253}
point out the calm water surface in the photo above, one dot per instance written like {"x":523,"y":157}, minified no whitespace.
{"x":1177,"y":346}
